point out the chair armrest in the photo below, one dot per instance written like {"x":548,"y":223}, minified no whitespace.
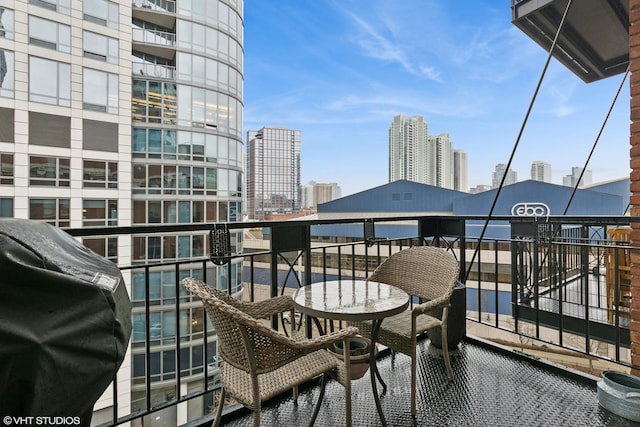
{"x":259,"y":331}
{"x":268,"y":307}
{"x":257,"y":310}
{"x":325,"y":341}
{"x":428,"y":306}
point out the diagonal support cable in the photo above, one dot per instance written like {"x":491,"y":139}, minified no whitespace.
{"x":593,"y":148}
{"x":595,"y":143}
{"x":515,"y":147}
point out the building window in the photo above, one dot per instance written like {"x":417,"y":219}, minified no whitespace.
{"x":208,"y":71}
{"x":184,"y":145}
{"x":173,"y":212}
{"x":99,"y":91}
{"x":162,"y":286}
{"x":7,"y":74}
{"x":49,"y":34}
{"x":100,"y":174}
{"x":49,"y":81}
{"x":101,"y":12}
{"x":226,"y":16}
{"x":6,"y":207}
{"x":6,"y":23}
{"x":162,"y":364}
{"x":60,"y":6}
{"x":186,"y":180}
{"x":53,"y":211}
{"x":99,"y":47}
{"x":154,"y":143}
{"x":153,"y":102}
{"x":107,"y":248}
{"x":50,"y":171}
{"x":99,"y":212}
{"x":147,"y":248}
{"x":210,"y":109}
{"x":6,"y":168}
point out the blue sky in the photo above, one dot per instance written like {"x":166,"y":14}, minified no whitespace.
{"x":339,"y":70}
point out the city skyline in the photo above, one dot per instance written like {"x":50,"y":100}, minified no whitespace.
{"x":340,"y":72}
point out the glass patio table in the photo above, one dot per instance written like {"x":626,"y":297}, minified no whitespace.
{"x":354,"y":300}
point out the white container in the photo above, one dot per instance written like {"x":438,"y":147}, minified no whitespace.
{"x":619,"y":393}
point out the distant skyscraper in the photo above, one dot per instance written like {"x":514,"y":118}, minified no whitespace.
{"x":306,"y":195}
{"x":480,"y":188}
{"x":418,"y":157}
{"x":460,"y":171}
{"x":273,"y":171}
{"x":315,"y":193}
{"x":501,"y":168}
{"x":440,"y":161}
{"x":326,"y":192}
{"x":408,"y":149}
{"x":540,"y":171}
{"x":572,"y":179}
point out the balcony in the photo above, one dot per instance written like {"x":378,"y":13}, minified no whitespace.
{"x":552,"y":290}
{"x":154,"y":42}
{"x":492,"y":387}
{"x":159,"y":12}
{"x":594,"y":40}
{"x":153,"y":70}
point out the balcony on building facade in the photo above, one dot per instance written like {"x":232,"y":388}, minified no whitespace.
{"x":160,"y":71}
{"x":154,"y":42}
{"x":158,"y":12}
{"x":154,"y":37}
{"x":555,"y":289}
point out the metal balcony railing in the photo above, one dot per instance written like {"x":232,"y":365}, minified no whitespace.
{"x":562,"y":282}
{"x":153,"y":70}
{"x":157,"y":37}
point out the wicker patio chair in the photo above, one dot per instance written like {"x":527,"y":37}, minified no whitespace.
{"x":429,"y":273}
{"x":258,"y":363}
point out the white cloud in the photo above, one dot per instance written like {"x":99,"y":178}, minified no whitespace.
{"x":431,"y":73}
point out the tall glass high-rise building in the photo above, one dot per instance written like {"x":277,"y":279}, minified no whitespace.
{"x":541,"y":171}
{"x":408,"y":149}
{"x":273,"y":172}
{"x":128,"y":112}
{"x":440,"y":161}
{"x":460,"y":171}
{"x":572,"y":179}
{"x":416,"y":156}
{"x":499,"y":172}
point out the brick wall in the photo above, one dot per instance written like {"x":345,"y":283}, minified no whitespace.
{"x":634,"y":53}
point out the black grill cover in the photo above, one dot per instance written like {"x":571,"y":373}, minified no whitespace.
{"x":65,"y":323}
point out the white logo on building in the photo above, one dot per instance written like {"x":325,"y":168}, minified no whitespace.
{"x":530,"y":209}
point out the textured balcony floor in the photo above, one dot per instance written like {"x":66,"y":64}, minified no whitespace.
{"x":491,"y":388}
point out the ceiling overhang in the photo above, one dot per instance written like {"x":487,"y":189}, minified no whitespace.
{"x":594,"y":41}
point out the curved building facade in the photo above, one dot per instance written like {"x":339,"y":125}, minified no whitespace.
{"x":186,"y":126}
{"x":127,"y":113}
